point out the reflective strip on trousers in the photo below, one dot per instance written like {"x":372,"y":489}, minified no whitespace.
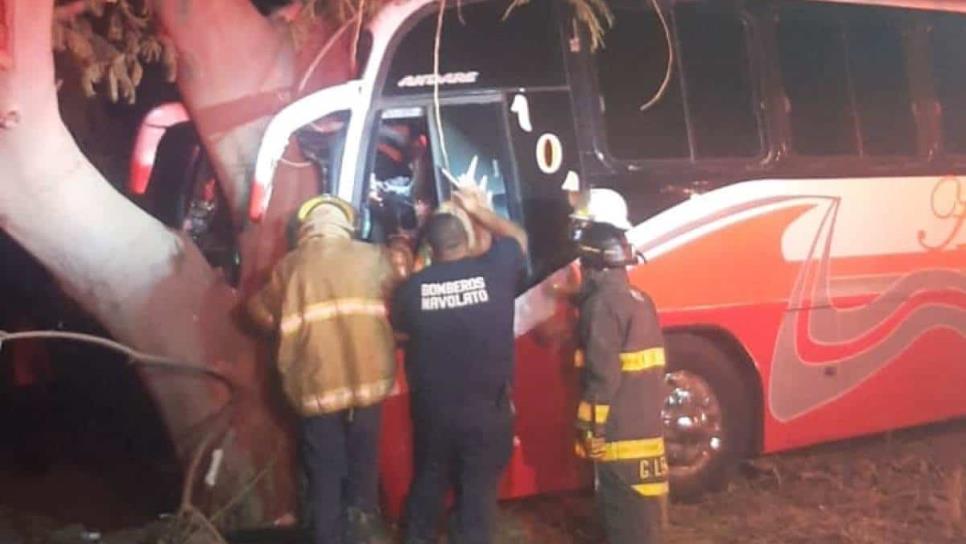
{"x":629,"y":450}
{"x":642,"y":461}
{"x":625,"y":450}
{"x":652,"y":490}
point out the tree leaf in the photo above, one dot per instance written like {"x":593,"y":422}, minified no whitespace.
{"x":91,"y":75}
{"x":151,"y":50}
{"x":169,"y":58}
{"x":79,"y":45}
{"x":135,"y":69}
{"x":112,"y":84}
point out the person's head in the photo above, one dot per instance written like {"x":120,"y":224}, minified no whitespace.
{"x":447,"y":237}
{"x":479,"y":237}
{"x":326,"y":216}
{"x":602,"y":247}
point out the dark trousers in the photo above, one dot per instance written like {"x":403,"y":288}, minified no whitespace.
{"x":470,"y":446}
{"x":629,"y":518}
{"x":340,"y":454}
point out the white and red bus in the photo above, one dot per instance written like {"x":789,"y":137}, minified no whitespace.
{"x":795,"y":191}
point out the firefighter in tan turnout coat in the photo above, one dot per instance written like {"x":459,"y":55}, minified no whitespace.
{"x":325,"y":300}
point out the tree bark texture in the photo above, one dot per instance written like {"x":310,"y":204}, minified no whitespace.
{"x":150,"y":287}
{"x":236,"y":69}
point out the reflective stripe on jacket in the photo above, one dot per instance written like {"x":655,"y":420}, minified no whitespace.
{"x":326,"y":300}
{"x":623,"y":380}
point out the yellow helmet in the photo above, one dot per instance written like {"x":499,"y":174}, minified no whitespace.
{"x":322,"y":200}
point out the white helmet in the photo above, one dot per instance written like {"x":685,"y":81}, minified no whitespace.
{"x":603,"y":206}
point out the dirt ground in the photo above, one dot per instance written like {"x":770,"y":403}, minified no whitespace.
{"x":905,"y":487}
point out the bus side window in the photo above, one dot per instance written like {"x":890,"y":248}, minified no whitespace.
{"x":844,"y":71}
{"x":811,"y":50}
{"x":877,"y":66}
{"x":948,"y":44}
{"x":630,"y":69}
{"x":479,"y":131}
{"x":475,"y":131}
{"x":720,"y":91}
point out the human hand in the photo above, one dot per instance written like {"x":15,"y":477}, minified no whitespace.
{"x":471,"y":198}
{"x":469,"y":193}
{"x":423,"y":210}
{"x":593,"y":445}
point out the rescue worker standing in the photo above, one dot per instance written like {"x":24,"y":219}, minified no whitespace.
{"x":458,"y":314}
{"x":619,"y":415}
{"x":326,"y":300}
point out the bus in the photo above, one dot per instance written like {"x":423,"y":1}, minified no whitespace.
{"x":795,"y":191}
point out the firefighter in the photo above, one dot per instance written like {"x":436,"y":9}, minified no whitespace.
{"x":326,"y":301}
{"x":458,"y":314}
{"x":622,"y":359}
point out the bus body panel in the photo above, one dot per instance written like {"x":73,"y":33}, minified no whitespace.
{"x":852,"y":308}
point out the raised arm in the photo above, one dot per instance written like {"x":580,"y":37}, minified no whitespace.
{"x":471,"y":199}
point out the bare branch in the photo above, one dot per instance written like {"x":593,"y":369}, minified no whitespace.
{"x":69,"y":11}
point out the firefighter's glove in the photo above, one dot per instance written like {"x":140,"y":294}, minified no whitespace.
{"x":593,"y":445}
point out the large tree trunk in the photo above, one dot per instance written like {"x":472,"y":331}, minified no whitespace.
{"x":149,"y":287}
{"x":236,"y":69}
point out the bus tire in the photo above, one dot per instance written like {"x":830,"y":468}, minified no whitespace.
{"x":707,"y":416}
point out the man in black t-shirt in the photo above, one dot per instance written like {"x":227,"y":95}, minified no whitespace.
{"x":458,"y":315}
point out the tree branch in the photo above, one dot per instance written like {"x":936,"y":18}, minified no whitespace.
{"x":68,"y":11}
{"x":227,"y":51}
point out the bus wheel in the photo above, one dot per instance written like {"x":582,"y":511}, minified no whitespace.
{"x":707,"y":417}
